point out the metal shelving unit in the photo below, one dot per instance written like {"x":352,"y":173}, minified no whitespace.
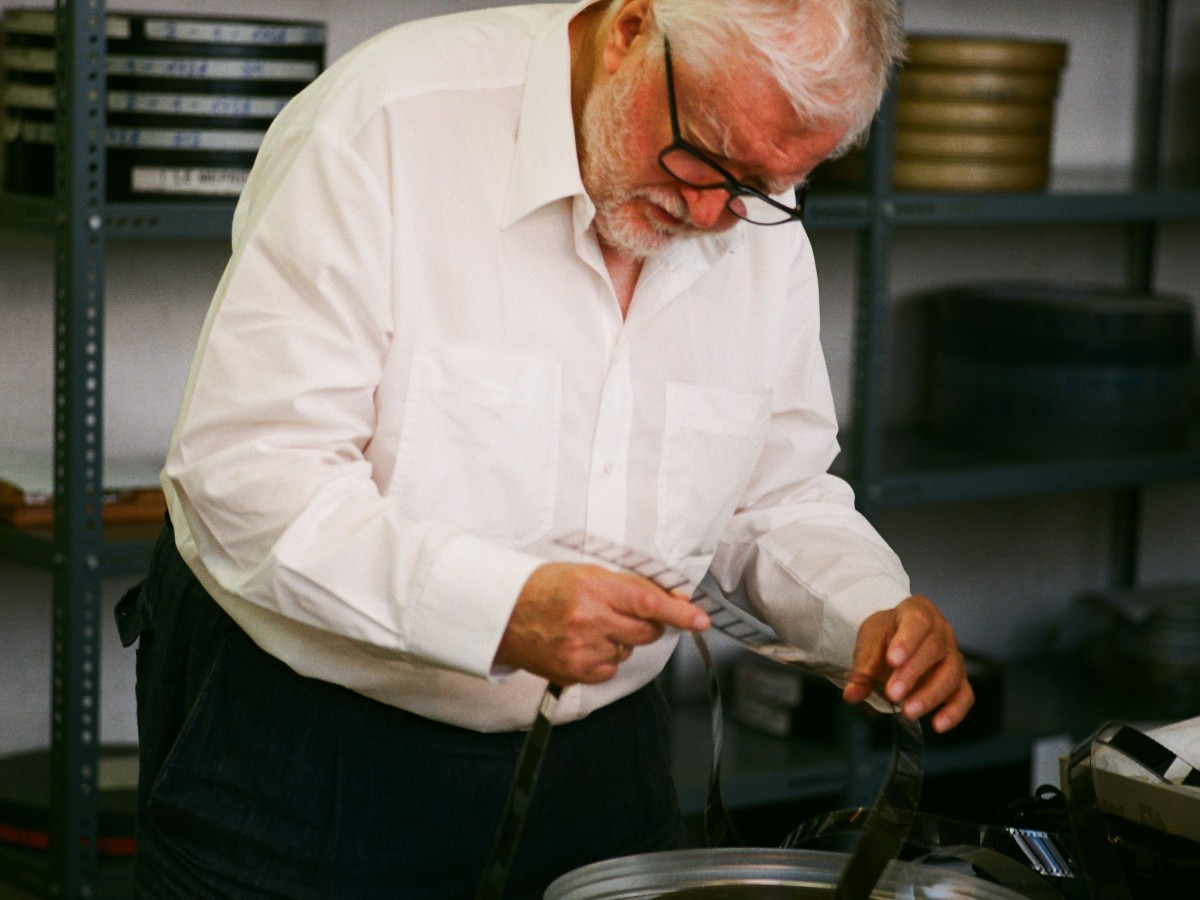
{"x":918,"y":469}
{"x":78,"y":447}
{"x":1074,"y":198}
{"x":888,"y":468}
{"x":124,"y":548}
{"x":128,"y":221}
{"x":79,"y":550}
{"x":893,"y":467}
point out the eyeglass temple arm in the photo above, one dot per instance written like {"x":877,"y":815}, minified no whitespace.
{"x":670,"y":86}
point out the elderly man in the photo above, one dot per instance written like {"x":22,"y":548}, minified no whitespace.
{"x":498,"y":277}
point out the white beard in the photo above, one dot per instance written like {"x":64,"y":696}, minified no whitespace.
{"x":605,"y":162}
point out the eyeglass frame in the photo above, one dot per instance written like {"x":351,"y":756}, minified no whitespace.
{"x":730,"y":184}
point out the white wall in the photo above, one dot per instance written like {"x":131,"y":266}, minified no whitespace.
{"x":1003,"y":569}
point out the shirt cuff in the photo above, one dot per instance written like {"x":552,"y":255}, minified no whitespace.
{"x":841,"y":621}
{"x":466,"y":602}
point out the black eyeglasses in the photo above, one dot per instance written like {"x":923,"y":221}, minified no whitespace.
{"x":689,"y":164}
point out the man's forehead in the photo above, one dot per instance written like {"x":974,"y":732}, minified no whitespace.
{"x":753,"y":127}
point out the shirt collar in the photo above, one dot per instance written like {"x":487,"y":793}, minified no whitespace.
{"x":545,"y":164}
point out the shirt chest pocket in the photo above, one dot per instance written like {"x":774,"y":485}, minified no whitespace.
{"x":480,"y":440}
{"x":712,"y":439}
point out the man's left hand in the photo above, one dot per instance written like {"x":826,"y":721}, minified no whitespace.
{"x":911,"y":649}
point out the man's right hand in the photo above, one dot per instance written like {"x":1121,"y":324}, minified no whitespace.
{"x":576,"y":623}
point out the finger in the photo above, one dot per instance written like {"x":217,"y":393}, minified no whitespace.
{"x":929,"y":653}
{"x":914,"y":619}
{"x":858,"y":688}
{"x":646,"y":601}
{"x":569,"y":617}
{"x":869,"y":665}
{"x":600,"y":664}
{"x":599,"y":673}
{"x":955,"y":709}
{"x":941,"y":685}
{"x":610,"y":656}
{"x":635,"y":632}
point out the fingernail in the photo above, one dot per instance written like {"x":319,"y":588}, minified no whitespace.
{"x":896,"y":691}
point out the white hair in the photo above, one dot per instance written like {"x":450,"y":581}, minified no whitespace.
{"x":832,"y":58}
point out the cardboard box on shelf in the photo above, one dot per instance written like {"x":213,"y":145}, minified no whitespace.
{"x":130,"y":490}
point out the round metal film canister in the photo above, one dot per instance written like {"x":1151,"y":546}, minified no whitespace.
{"x":985,"y":52}
{"x":915,"y":174}
{"x":757,"y":874}
{"x":986,"y":145}
{"x":973,"y":114}
{"x":979,"y":84}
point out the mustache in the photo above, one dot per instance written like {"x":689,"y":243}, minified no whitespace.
{"x":671,"y":202}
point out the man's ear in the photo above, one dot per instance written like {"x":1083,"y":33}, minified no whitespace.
{"x":631,"y":20}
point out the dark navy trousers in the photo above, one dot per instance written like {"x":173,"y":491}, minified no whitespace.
{"x":258,"y":782}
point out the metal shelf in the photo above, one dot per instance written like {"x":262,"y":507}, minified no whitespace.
{"x":1095,"y":196}
{"x":124,"y":549}
{"x":144,"y":221}
{"x":29,"y":870}
{"x":832,"y":207}
{"x":1084,"y":196}
{"x":890,"y":468}
{"x":128,"y":221}
{"x":1074,"y":197}
{"x":919,"y":469}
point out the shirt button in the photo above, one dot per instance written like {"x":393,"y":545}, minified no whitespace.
{"x":608,"y":468}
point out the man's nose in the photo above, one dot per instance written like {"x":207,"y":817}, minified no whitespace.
{"x":705,"y":207}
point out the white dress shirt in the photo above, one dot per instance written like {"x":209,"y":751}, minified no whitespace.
{"x":415,"y":372}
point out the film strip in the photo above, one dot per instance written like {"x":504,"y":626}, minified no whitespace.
{"x":1030,"y":860}
{"x":1023,"y":859}
{"x":508,"y":836}
{"x":885,"y":825}
{"x":719,"y":830}
{"x":1148,"y":753}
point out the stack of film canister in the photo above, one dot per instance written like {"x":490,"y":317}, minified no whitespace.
{"x":1060,"y":368}
{"x":189,"y":99}
{"x":976,"y":113}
